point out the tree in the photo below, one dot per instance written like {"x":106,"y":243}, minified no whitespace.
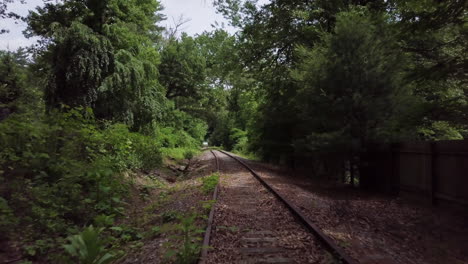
{"x":352,"y":94}
{"x":182,"y":68}
{"x":101,"y":54}
{"x":434,"y":34}
{"x":19,"y":86}
{"x":12,"y":81}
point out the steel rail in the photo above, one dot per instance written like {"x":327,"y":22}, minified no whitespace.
{"x":327,"y":241}
{"x":209,"y":227}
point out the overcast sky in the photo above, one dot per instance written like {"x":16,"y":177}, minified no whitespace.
{"x":200,"y":12}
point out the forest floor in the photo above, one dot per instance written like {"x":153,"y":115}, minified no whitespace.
{"x":374,"y":228}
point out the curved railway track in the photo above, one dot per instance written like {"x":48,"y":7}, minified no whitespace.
{"x":260,"y":246}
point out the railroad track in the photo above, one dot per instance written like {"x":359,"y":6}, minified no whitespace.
{"x":265,"y":227}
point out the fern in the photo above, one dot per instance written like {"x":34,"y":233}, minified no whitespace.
{"x":88,"y":248}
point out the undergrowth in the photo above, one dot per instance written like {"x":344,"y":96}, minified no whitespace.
{"x":184,"y":243}
{"x":180,"y":153}
{"x":64,"y":171}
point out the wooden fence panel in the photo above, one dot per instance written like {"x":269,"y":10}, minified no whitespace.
{"x":451,"y":171}
{"x":415,"y":168}
{"x":434,"y":172}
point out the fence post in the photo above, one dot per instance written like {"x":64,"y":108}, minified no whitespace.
{"x":433,"y":172}
{"x":395,"y":165}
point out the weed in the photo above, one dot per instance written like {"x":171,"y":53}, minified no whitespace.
{"x":88,"y":248}
{"x":209,"y":183}
{"x":155,"y":231}
{"x":126,"y":233}
{"x":169,"y":216}
{"x":145,"y":191}
{"x":207,"y":205}
{"x":188,"y":233}
{"x":188,"y":154}
{"x":103,"y":220}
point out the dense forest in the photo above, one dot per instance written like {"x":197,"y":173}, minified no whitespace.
{"x":107,"y":93}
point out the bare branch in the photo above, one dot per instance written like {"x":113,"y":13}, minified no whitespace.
{"x":173,"y":30}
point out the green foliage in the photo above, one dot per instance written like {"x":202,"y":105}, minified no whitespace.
{"x":103,"y":95}
{"x":207,"y":205}
{"x":7,"y":218}
{"x":169,"y":216}
{"x":177,"y":153}
{"x":129,"y":150}
{"x":126,"y":233}
{"x":186,"y":233}
{"x":88,"y":248}
{"x":101,"y":55}
{"x":182,"y":69}
{"x":221,"y":129}
{"x":240,"y":140}
{"x":11,"y":82}
{"x":61,"y":171}
{"x":358,"y":111}
{"x":189,"y":154}
{"x":18,"y":86}
{"x":209,"y":183}
{"x":441,"y":130}
{"x":82,"y":60}
{"x":363,"y":71}
{"x":181,"y":129}
{"x":103,"y":220}
{"x":181,"y":134}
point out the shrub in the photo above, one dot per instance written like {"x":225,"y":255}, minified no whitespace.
{"x":187,"y":232}
{"x":240,"y":142}
{"x":189,"y":154}
{"x":60,"y":171}
{"x":88,"y":248}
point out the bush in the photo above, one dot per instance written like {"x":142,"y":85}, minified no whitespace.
{"x":240,"y":140}
{"x":180,"y":121}
{"x":189,"y":154}
{"x":60,"y":171}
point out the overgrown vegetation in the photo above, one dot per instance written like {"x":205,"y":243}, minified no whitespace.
{"x":80,"y":116}
{"x":106,"y":95}
{"x":88,"y":248}
{"x":185,"y":242}
{"x":332,"y":80}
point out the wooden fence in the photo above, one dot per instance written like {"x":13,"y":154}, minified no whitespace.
{"x":435,"y":172}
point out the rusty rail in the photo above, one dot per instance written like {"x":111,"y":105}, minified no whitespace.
{"x":327,"y":242}
{"x":206,"y":238}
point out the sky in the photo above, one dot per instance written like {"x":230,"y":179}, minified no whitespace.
{"x":201,"y":13}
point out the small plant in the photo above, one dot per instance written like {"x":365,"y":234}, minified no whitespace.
{"x":186,"y":232}
{"x":209,"y":183}
{"x":169,"y":216}
{"x":39,"y":247}
{"x":189,"y":154}
{"x":155,"y":231}
{"x":88,"y":248}
{"x":126,"y":233}
{"x":207,"y":205}
{"x":103,"y":220}
{"x":145,"y":191}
